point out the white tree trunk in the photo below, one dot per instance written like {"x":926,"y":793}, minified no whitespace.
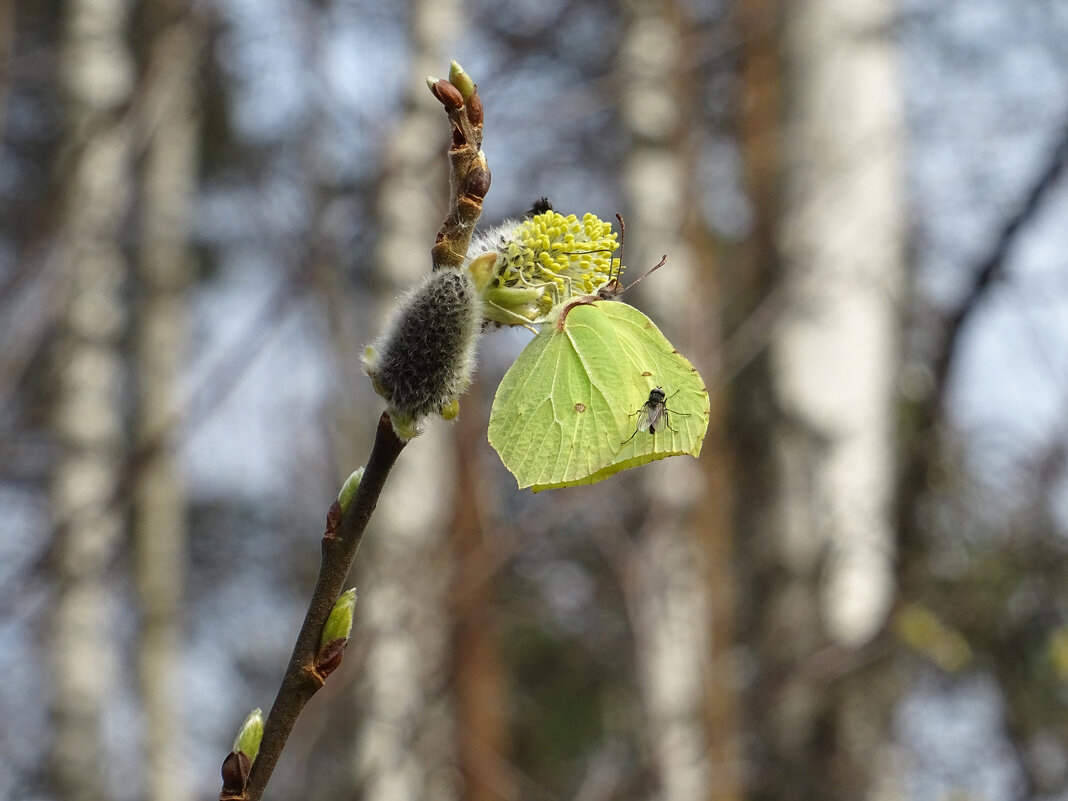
{"x":673,"y":625}
{"x":408,"y":747}
{"x":97,"y":75}
{"x":836,"y":351}
{"x":834,"y":358}
{"x":159,"y":521}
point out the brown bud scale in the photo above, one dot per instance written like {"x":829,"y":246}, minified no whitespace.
{"x":235,"y":770}
{"x":333,"y":520}
{"x":477,"y":183}
{"x":474,"y":108}
{"x":329,"y":657}
{"x":447,"y":94}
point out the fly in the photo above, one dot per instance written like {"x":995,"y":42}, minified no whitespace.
{"x":654,"y":414}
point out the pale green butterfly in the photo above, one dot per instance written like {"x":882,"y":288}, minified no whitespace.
{"x":563,"y":414}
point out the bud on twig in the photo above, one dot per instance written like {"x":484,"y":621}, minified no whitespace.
{"x":474,"y":108}
{"x":238,"y":762}
{"x":339,"y":624}
{"x":462,"y":81}
{"x":447,"y":94}
{"x":335,"y":635}
{"x":465,"y":195}
{"x":478,"y":182}
{"x":348,"y":489}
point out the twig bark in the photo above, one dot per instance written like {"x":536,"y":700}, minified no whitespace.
{"x":301,"y":679}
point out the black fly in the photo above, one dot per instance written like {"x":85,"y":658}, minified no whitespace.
{"x":539,"y":206}
{"x":653,"y":416}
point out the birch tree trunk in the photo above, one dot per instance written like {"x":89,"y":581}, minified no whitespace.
{"x":683,"y":630}
{"x":830,"y":549}
{"x":408,"y":747}
{"x":159,"y":525}
{"x":97,"y":76}
{"x":836,"y":352}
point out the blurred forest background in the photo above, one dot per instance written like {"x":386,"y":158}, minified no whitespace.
{"x":858,"y":591}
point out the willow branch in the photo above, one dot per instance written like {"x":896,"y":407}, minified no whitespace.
{"x":302,"y":678}
{"x":312,"y":661}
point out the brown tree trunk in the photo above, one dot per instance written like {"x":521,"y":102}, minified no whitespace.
{"x":479,"y":671}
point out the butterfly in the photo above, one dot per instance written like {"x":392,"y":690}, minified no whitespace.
{"x":559,"y":416}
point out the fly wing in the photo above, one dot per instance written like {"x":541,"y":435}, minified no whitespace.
{"x":653,"y":417}
{"x":643,"y":419}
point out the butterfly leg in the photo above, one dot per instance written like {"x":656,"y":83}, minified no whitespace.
{"x":519,"y":319}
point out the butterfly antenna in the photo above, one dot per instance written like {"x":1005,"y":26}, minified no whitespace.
{"x":622,"y":242}
{"x":650,"y":271}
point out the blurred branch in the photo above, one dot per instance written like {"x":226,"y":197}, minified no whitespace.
{"x":992,"y":268}
{"x":468,"y":183}
{"x":920,"y":448}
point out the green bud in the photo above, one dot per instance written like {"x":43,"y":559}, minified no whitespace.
{"x":339,"y":624}
{"x":461,"y":80}
{"x":248,"y":739}
{"x":451,"y":410}
{"x":404,"y":426}
{"x":348,"y":489}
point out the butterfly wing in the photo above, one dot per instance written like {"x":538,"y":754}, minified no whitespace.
{"x":563,"y":414}
{"x":555,"y":419}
